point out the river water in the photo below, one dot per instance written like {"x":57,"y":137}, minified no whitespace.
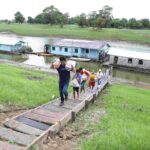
{"x":37,"y":44}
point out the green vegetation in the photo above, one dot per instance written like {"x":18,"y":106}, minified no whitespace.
{"x":73,"y":31}
{"x":25,"y":87}
{"x":126,"y":125}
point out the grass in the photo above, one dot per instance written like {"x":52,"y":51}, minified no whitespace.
{"x":25,"y":87}
{"x":126,"y":125}
{"x":73,"y":31}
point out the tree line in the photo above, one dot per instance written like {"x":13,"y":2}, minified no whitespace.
{"x":96,"y":19}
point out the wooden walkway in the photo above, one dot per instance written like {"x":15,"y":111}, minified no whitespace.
{"x":34,"y":126}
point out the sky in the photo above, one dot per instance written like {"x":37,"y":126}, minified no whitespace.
{"x":121,"y":8}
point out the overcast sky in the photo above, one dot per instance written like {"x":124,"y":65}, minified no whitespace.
{"x":121,"y":8}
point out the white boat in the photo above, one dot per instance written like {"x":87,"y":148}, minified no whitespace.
{"x":79,"y":59}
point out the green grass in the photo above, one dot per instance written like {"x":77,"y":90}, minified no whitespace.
{"x":126,"y":125}
{"x":25,"y":87}
{"x":73,"y":31}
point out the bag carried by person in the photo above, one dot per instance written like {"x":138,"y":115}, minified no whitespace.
{"x":74,"y":83}
{"x":84,"y":77}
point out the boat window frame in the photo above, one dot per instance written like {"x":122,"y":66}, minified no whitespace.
{"x":87,"y":51}
{"x":66,"y":49}
{"x":129,"y":60}
{"x":76,"y":50}
{"x":140,"y":62}
{"x":53,"y":48}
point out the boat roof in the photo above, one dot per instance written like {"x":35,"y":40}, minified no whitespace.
{"x":12,"y":42}
{"x":129,"y":54}
{"x":79,"y":43}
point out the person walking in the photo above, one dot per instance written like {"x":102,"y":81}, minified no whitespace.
{"x":92,"y":80}
{"x":75,"y":83}
{"x":99,"y":76}
{"x":85,"y":76}
{"x":64,"y":78}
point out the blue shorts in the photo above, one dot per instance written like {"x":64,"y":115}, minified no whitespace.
{"x":83,"y":83}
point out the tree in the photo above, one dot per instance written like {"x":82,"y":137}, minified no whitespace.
{"x":19,"y":18}
{"x":145,"y":23}
{"x":66,"y":18}
{"x":52,"y":15}
{"x":100,"y":22}
{"x":91,"y":21}
{"x":30,"y":20}
{"x":106,"y":12}
{"x":105,"y":15}
{"x":133,"y":24}
{"x":82,"y":22}
{"x":39,"y":19}
{"x":124,"y":22}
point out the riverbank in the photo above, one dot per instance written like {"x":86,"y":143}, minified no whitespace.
{"x":119,"y":119}
{"x":73,"y":31}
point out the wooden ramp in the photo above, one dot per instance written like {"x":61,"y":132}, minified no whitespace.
{"x":34,"y":126}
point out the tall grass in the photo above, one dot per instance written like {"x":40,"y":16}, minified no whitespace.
{"x":73,"y":31}
{"x":126,"y":125}
{"x":25,"y":87}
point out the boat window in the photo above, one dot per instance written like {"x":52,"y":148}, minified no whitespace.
{"x":53,"y":48}
{"x":130,"y":60}
{"x":115,"y":60}
{"x":140,"y":62}
{"x":66,"y":49}
{"x":87,"y":51}
{"x":76,"y":50}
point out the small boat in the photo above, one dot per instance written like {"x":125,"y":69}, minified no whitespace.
{"x":45,"y":54}
{"x":79,"y":59}
{"x":17,"y":48}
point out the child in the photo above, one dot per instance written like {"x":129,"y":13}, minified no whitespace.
{"x":99,"y":76}
{"x":76,"y":83}
{"x":85,"y":76}
{"x":92,"y":80}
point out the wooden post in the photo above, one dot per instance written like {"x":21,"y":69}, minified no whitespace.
{"x":52,"y":134}
{"x":94,"y":98}
{"x":86,"y":104}
{"x":73,"y":114}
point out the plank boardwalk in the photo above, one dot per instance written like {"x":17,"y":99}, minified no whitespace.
{"x":34,"y":126}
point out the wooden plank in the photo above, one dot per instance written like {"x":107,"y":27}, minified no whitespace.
{"x":65,"y":119}
{"x":41,"y":118}
{"x":67,"y":105}
{"x":40,"y":140}
{"x":74,"y":101}
{"x":87,"y":95}
{"x":7,"y":146}
{"x":45,"y":112}
{"x":79,"y":107}
{"x":55,"y":108}
{"x":19,"y":126}
{"x":81,"y":97}
{"x":33,"y":123}
{"x":17,"y":137}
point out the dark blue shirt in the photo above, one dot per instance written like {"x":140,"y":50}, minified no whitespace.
{"x":64,"y":75}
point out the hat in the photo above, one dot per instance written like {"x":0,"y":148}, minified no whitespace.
{"x":99,"y":70}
